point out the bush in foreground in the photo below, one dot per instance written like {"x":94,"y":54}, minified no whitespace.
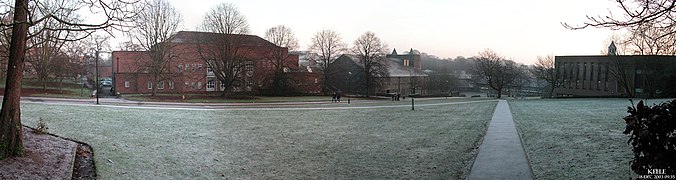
{"x":653,"y":138}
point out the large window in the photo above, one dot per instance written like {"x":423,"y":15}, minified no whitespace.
{"x":211,"y":84}
{"x":160,"y":85}
{"x":150,"y":85}
{"x":249,"y":66}
{"x":126,"y":84}
{"x":171,"y":84}
{"x":584,"y":74}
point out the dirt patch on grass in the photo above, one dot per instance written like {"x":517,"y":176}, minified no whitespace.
{"x":49,"y":157}
{"x":84,"y":167}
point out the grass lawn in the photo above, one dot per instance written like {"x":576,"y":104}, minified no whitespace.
{"x":575,"y":138}
{"x":30,"y":87}
{"x":433,"y":142}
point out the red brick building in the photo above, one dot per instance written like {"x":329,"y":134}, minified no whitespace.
{"x":188,"y":71}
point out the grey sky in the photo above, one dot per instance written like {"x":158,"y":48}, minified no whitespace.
{"x":518,"y":29}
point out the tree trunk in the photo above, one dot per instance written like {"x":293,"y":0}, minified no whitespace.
{"x":325,"y":83}
{"x":551,"y":92}
{"x":156,"y":82}
{"x":61,"y":85}
{"x":11,"y":133}
{"x":499,"y":93}
{"x":368,"y":87}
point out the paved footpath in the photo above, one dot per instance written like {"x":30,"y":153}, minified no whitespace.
{"x":501,"y":154}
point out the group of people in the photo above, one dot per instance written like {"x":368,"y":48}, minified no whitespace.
{"x":336,"y":97}
{"x":397,"y":97}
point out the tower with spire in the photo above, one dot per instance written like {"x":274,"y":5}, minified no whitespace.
{"x":412,"y":58}
{"x":612,"y":50}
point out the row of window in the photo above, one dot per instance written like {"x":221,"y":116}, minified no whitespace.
{"x":586,"y":73}
{"x":160,"y":85}
{"x":191,"y":85}
{"x":189,"y":67}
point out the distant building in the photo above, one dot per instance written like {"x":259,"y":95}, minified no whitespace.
{"x":597,"y":76}
{"x":404,"y":75}
{"x":464,"y":80}
{"x":190,"y":74}
{"x":306,"y":59}
{"x":410,"y":59}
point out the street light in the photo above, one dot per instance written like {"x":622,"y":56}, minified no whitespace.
{"x":97,"y":78}
{"x":349,"y":89}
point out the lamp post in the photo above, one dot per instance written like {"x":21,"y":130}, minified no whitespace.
{"x":448,"y":89}
{"x":97,"y":78}
{"x":81,"y":84}
{"x":413,"y":100}
{"x":349,"y":88}
{"x":112,"y":70}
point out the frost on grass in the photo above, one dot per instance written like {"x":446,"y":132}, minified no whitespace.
{"x":429,"y":143}
{"x":575,"y":138}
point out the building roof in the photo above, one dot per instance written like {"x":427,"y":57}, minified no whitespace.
{"x":398,"y":70}
{"x":412,"y":51}
{"x":207,"y":37}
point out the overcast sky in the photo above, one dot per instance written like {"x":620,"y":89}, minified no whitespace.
{"x":517,"y":29}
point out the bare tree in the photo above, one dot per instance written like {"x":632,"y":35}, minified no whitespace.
{"x":522,"y":79}
{"x":222,"y":50}
{"x":621,"y":71}
{"x":651,"y":22}
{"x":545,"y":69}
{"x":155,"y":25}
{"x":621,"y":42}
{"x":646,"y":39}
{"x":226,"y":58}
{"x":651,"y":25}
{"x":129,"y":46}
{"x":281,"y":36}
{"x":328,"y":45}
{"x":5,"y":38}
{"x":659,"y":13}
{"x":48,"y":45}
{"x":496,"y":71}
{"x":117,"y":14}
{"x":371,"y":53}
{"x":65,"y":65}
{"x":225,"y":18}
{"x":72,"y":62}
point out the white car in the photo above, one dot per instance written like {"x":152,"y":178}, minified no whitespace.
{"x":106,"y":83}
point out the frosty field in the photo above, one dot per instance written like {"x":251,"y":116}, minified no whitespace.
{"x":575,"y":138}
{"x":430,"y":142}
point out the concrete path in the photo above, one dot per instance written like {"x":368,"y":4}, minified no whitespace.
{"x":501,"y":155}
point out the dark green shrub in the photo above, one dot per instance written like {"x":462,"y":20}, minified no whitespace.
{"x":653,"y":137}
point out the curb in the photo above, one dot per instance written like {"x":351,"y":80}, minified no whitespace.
{"x":72,"y":162}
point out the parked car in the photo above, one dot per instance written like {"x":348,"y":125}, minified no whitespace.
{"x":106,"y":83}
